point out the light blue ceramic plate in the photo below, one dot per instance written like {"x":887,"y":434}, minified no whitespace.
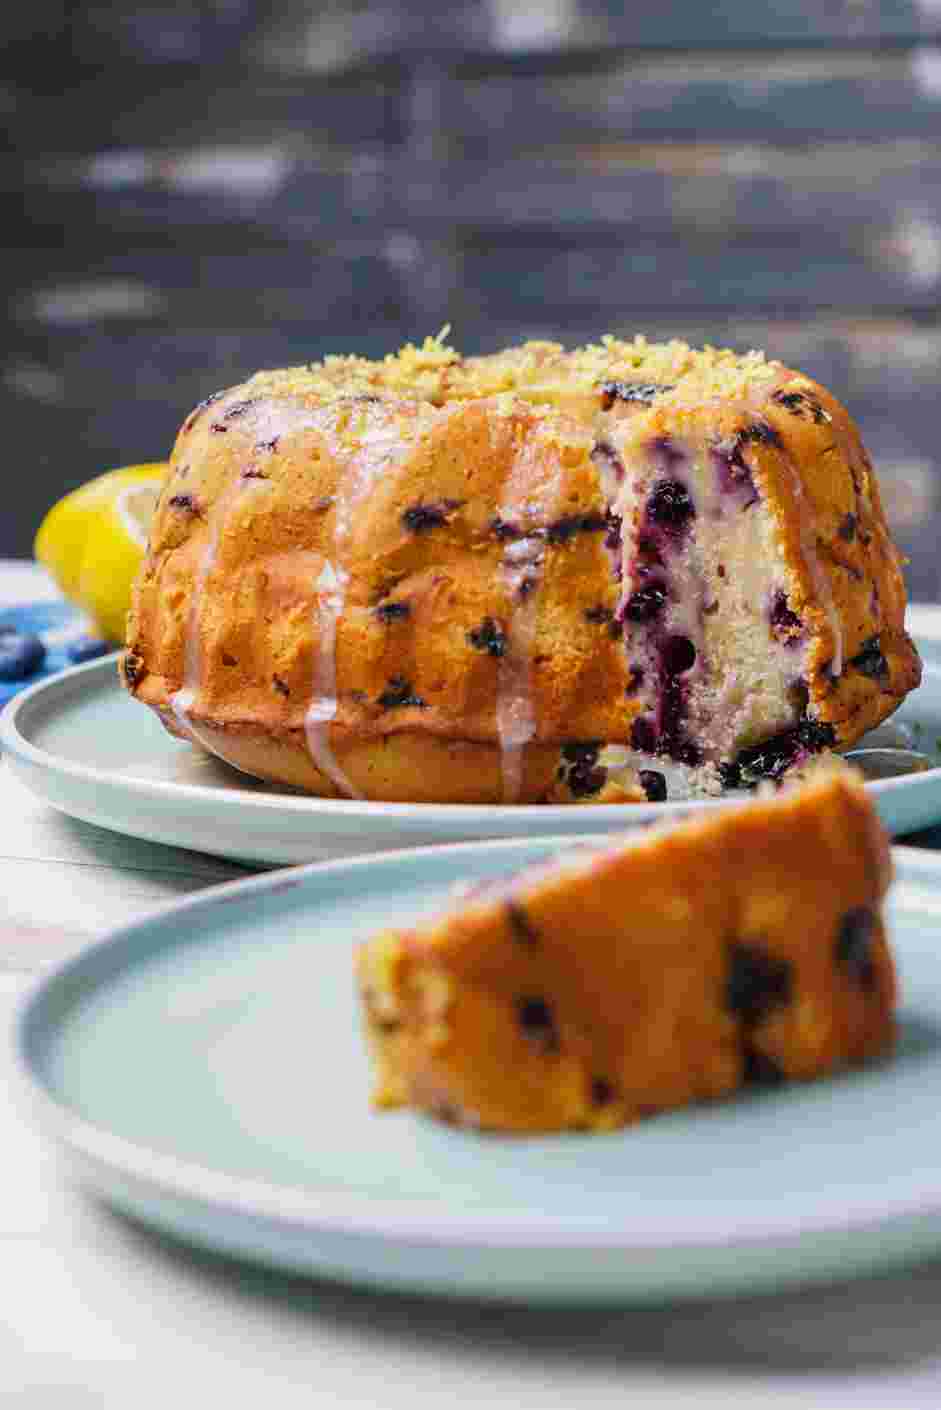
{"x":82,"y":744}
{"x":204,"y":1071}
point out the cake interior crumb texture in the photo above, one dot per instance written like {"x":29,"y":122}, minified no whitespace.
{"x":681,"y":965}
{"x":534,"y":576}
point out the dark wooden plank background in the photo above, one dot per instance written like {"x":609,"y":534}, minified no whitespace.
{"x":189,"y":191}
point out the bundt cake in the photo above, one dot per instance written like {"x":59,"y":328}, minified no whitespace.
{"x":616,"y":982}
{"x":533,"y":576}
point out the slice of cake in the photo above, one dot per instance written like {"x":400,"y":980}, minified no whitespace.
{"x":677,"y":966}
{"x":535,"y":576}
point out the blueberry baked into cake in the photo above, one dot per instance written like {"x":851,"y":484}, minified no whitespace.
{"x":535,"y":576}
{"x":679,"y":965}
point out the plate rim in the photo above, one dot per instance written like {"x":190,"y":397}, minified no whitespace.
{"x":15,"y":742}
{"x":333,"y":1211}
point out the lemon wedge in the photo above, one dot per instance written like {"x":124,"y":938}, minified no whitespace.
{"x":92,"y":542}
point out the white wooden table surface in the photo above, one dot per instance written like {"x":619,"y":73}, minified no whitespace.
{"x":95,"y":1312}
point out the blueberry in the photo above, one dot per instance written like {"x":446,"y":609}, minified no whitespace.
{"x":536,"y":1021}
{"x":580,"y":751}
{"x":521,"y":927}
{"x":565,"y":529}
{"x":799,"y":402}
{"x":86,"y":648}
{"x":132,"y":669}
{"x":598,"y":615}
{"x":761,"y":1071}
{"x":730,"y":775}
{"x":870,"y":661}
{"x":601,"y":1092}
{"x":654,"y":785}
{"x":816,"y":735}
{"x":672,"y":714}
{"x":769,"y":759}
{"x":678,"y":654}
{"x":643,"y":736}
{"x":783,"y":619}
{"x":398,"y":693}
{"x":584,"y":777}
{"x":774,"y":756}
{"x":584,"y":781}
{"x":648,"y":555}
{"x":760,"y":433}
{"x":393,"y":611}
{"x":21,"y":653}
{"x":685,"y":751}
{"x":847,"y":528}
{"x":505,"y":529}
{"x":794,"y":401}
{"x":799,"y":695}
{"x":612,"y":538}
{"x":670,"y":506}
{"x":646,"y":603}
{"x":488,"y":637}
{"x":421,"y":517}
{"x":853,"y":948}
{"x":757,"y":982}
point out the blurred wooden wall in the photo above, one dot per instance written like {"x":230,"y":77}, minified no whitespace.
{"x":194,"y":190}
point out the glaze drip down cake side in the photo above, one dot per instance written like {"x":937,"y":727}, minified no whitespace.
{"x":678,"y":965}
{"x":537,"y":576}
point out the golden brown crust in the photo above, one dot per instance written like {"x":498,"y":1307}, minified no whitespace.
{"x":257,"y":614}
{"x":409,"y":465}
{"x":747,"y":946}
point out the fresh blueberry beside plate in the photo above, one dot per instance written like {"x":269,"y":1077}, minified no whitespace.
{"x":86,"y":648}
{"x":49,"y":629}
{"x":21,"y":654}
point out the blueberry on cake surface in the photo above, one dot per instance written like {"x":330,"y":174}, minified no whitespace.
{"x":679,"y":965}
{"x":680,"y":556}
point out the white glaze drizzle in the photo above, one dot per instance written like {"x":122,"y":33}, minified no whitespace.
{"x":379,"y":445}
{"x":183,"y":700}
{"x":265,"y":422}
{"x":523,"y":560}
{"x":331,"y":594}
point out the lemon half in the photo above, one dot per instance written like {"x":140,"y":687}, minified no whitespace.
{"x":93,"y":540}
